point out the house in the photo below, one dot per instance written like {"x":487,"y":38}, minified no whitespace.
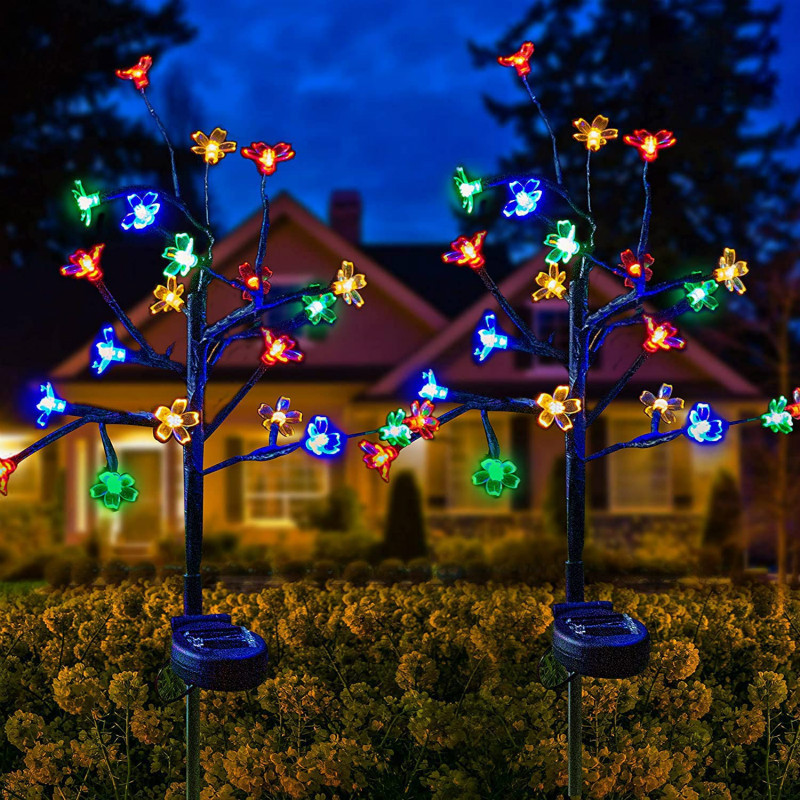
{"x":418,"y":313}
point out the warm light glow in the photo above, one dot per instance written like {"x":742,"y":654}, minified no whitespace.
{"x":557,"y":408}
{"x":378,"y":457}
{"x":661,"y":336}
{"x":174,"y":421}
{"x":112,"y":488}
{"x":594,"y":136}
{"x":280,"y":416}
{"x":49,"y":404}
{"x":496,"y":475}
{"x":467,"y":251}
{"x":664,"y":404}
{"x":266,"y":157}
{"x":731,"y":271}
{"x":347,"y":284}
{"x":648,"y":144}
{"x":525,"y":198}
{"x":143,"y":211}
{"x":518,"y":60}
{"x":777,"y":418}
{"x":430,"y":389}
{"x":180,"y":256}
{"x":421,"y":420}
{"x":552,"y":283}
{"x":86,"y":202}
{"x":563,"y":243}
{"x":169,"y":296}
{"x":318,"y":309}
{"x":278,"y":349}
{"x":108,"y":350}
{"x":467,"y":189}
{"x":631,"y":265}
{"x":321,"y":438}
{"x":488,"y":339}
{"x":85,"y":264}
{"x":213,"y":147}
{"x":137,"y":73}
{"x":704,"y":427}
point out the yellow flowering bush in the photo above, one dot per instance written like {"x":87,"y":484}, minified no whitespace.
{"x":423,"y":691}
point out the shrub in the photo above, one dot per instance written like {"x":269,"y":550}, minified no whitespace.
{"x":261,"y":567}
{"x":143,"y":572}
{"x":323,"y":570}
{"x":58,"y":572}
{"x":293,"y":570}
{"x":84,"y":571}
{"x":114,"y":572}
{"x":209,"y":575}
{"x":419,"y":570}
{"x":219,"y":546}
{"x":345,"y":546}
{"x":357,"y":573}
{"x":390,"y":571}
{"x":170,"y":571}
{"x":233,"y":568}
{"x":404,"y":534}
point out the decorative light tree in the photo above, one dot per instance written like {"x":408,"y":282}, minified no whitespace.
{"x":589,"y":638}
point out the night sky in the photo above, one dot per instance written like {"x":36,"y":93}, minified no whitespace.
{"x":373,"y":96}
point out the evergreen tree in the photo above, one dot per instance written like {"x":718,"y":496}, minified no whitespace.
{"x":404,"y":535}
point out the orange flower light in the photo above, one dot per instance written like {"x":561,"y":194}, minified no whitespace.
{"x":552,"y":283}
{"x":594,"y":136}
{"x":250,"y":279}
{"x":467,"y":251}
{"x":266,"y":156}
{"x":648,"y":144}
{"x":379,"y":456}
{"x":661,"y":336}
{"x":557,"y":407}
{"x":347,"y":284}
{"x":213,"y":147}
{"x":85,"y":264}
{"x":731,"y":271}
{"x":7,"y":466}
{"x":278,"y":349}
{"x":518,"y":60}
{"x":137,"y":73}
{"x":632,"y":266}
{"x":169,"y":296}
{"x":174,"y":421}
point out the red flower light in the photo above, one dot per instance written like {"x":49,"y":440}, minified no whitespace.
{"x":137,"y":73}
{"x":278,"y":349}
{"x":266,"y":156}
{"x":648,"y":143}
{"x":7,"y":466}
{"x":794,"y":408}
{"x":634,"y":268}
{"x":250,"y":279}
{"x":661,"y":336}
{"x":421,"y":419}
{"x":379,"y":456}
{"x":467,"y":251}
{"x":85,"y":264}
{"x":518,"y":60}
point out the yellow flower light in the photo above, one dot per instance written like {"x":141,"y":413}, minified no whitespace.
{"x":552,"y":283}
{"x":665,"y":404}
{"x":730,"y":271}
{"x":348,"y":284}
{"x":174,"y":421}
{"x":595,"y":135}
{"x":169,"y":296}
{"x":557,"y":407}
{"x":213,"y":147}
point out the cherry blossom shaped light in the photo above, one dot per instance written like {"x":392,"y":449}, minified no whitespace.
{"x":557,"y":408}
{"x":664,"y":404}
{"x":701,"y":295}
{"x":552,"y":283}
{"x":7,"y":467}
{"x":524,"y":198}
{"x":596,"y":135}
{"x":518,"y":60}
{"x":794,"y":408}
{"x":467,"y":251}
{"x":85,"y":202}
{"x":175,"y":421}
{"x":321,"y":438}
{"x":777,"y":418}
{"x":731,"y":271}
{"x":421,"y":420}
{"x":180,"y":256}
{"x":280,"y":416}
{"x":114,"y":487}
{"x":704,"y":427}
{"x":319,"y":308}
{"x":496,"y":475}
{"x":467,"y":189}
{"x":85,"y":264}
{"x":563,"y":243}
{"x":143,"y":211}
{"x":631,"y":265}
{"x":395,"y":431}
{"x":137,"y":73}
{"x":648,"y":144}
{"x":661,"y":336}
{"x":488,"y":338}
{"x":347,"y":284}
{"x":213,"y":147}
{"x":250,"y":279}
{"x":431,"y":389}
{"x":278,"y":349}
{"x":378,"y":457}
{"x":169,"y":296}
{"x":50,"y":403}
{"x":267,"y":157}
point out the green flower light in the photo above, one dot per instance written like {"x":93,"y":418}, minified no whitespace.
{"x":86,"y":202}
{"x":113,"y":488}
{"x":319,"y":308}
{"x":181,"y":258}
{"x":496,"y":475}
{"x":467,"y":189}
{"x":777,"y":418}
{"x":700,"y":294}
{"x":395,"y":431}
{"x":563,"y":243}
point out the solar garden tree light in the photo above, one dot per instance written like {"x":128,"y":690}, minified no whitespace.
{"x":589,"y":638}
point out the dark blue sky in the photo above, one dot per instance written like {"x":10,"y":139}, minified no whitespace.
{"x":375,"y":96}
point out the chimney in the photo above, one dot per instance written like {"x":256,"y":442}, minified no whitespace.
{"x":345,"y":214}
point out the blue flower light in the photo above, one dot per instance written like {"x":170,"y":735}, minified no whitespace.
{"x":431,"y":390}
{"x":525,"y":199}
{"x":49,"y":404}
{"x":108,"y":350}
{"x":704,"y":427}
{"x":143,"y":211}
{"x":321,"y":438}
{"x":488,"y":339}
